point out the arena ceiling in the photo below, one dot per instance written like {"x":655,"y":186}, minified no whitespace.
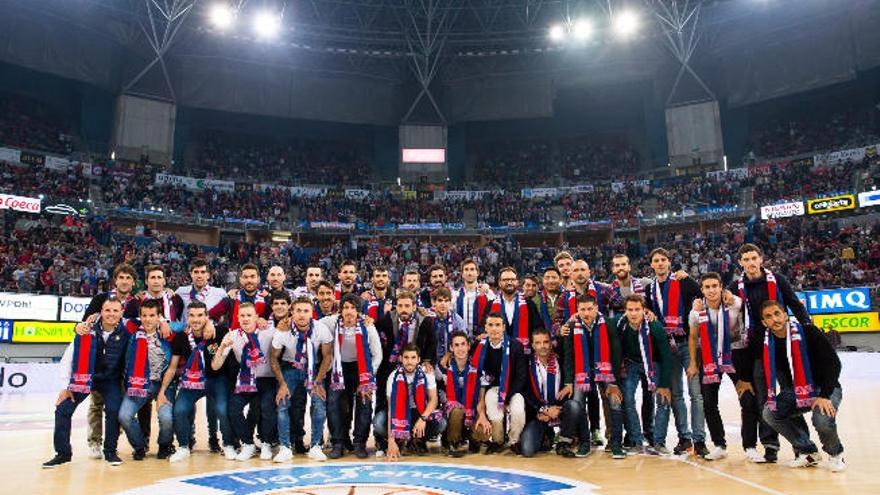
{"x":387,"y":61}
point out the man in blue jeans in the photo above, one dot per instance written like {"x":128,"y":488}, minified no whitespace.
{"x":801,"y":360}
{"x":300,"y":359}
{"x":671,"y":298}
{"x":191,"y":353}
{"x":146,"y":358}
{"x":93,"y":362}
{"x":645,"y":350}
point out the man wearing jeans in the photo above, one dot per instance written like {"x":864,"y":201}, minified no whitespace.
{"x":300,"y":359}
{"x":197,"y":380}
{"x":671,"y":300}
{"x":141,"y":390}
{"x":94,"y":362}
{"x":645,"y":350}
{"x":801,"y":360}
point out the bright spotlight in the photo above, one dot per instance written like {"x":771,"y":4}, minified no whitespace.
{"x":626,"y":23}
{"x":222,"y":16}
{"x":582,"y":30}
{"x":557,"y":32}
{"x":267,"y":24}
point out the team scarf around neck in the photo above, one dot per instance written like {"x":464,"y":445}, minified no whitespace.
{"x":545,"y":309}
{"x":481,"y":302}
{"x":375,"y":307}
{"x":137,"y":366}
{"x":646,"y":349}
{"x":443,"y":328}
{"x":547,"y":389}
{"x":240,"y":297}
{"x":251,"y":357}
{"x":85,"y":352}
{"x":200,"y":295}
{"x":593,"y":290}
{"x":463,"y":388}
{"x":479,"y":358}
{"x":635,"y":286}
{"x":715,"y":344}
{"x":802,"y":375}
{"x":667,"y":299}
{"x":773,"y":294}
{"x":401,"y":415}
{"x":167,"y":305}
{"x":570,"y":304}
{"x":519,"y":326}
{"x":304,"y":355}
{"x":113,"y":294}
{"x":403,"y":331}
{"x":366,"y":378}
{"x":601,"y":358}
{"x":194,"y":371}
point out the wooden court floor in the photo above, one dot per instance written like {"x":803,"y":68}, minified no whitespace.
{"x":26,"y":440}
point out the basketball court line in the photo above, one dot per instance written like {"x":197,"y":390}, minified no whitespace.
{"x":727,"y":475}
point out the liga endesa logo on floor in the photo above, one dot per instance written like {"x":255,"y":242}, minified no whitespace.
{"x":373,"y":479}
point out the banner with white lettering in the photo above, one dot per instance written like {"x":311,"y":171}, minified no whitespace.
{"x":10,"y":155}
{"x":357,"y":193}
{"x":19,"y":203}
{"x":28,"y":307}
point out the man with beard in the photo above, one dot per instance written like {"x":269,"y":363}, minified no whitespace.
{"x":325,"y":301}
{"x":248,"y":291}
{"x":378,"y":300}
{"x":436,"y":280}
{"x":520,"y":315}
{"x":347,"y":279}
{"x":314,"y":276}
{"x":545,"y":300}
{"x":471,"y":301}
{"x":276,"y":278}
{"x":563,"y":262}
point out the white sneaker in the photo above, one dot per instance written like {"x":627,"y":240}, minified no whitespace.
{"x":96,"y":451}
{"x":229,"y":452}
{"x":284,"y":454}
{"x":753,"y":455}
{"x":805,"y":460}
{"x":266,"y":452}
{"x":380,"y":454}
{"x":181,"y":454}
{"x":836,"y":464}
{"x":246,"y":452}
{"x":316,"y":453}
{"x":716,"y":454}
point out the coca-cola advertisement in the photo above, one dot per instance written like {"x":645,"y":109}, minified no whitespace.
{"x":19,"y":203}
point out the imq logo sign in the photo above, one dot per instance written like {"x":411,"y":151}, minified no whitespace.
{"x":373,"y":479}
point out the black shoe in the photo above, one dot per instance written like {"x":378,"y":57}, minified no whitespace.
{"x":564,"y":450}
{"x":683,"y":446}
{"x":139,"y":454}
{"x":771,"y":454}
{"x":494,"y":448}
{"x":56,"y":461}
{"x":700,"y":449}
{"x":516,"y":449}
{"x":474,"y":447}
{"x":113,"y":459}
{"x":455,"y":453}
{"x":421,"y":447}
{"x":348,"y":445}
{"x":360,"y":451}
{"x":214,"y":445}
{"x":335,"y":451}
{"x":300,"y":448}
{"x":165,"y":451}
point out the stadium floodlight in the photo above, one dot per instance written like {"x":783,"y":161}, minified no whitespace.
{"x":222,"y":16}
{"x":626,"y":23}
{"x":267,"y":24}
{"x":582,"y":30}
{"x":556,"y":32}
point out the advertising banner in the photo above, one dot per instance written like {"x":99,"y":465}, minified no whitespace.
{"x":28,"y":307}
{"x":833,"y":203}
{"x":54,"y":332}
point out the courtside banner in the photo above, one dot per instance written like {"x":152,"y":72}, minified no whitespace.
{"x":28,"y":307}
{"x":28,"y":378}
{"x":73,"y":308}
{"x":19,"y":203}
{"x":782,"y":210}
{"x":43,"y":332}
{"x":869,"y":198}
{"x":833,"y":203}
{"x":829,"y":301}
{"x":849,"y":322}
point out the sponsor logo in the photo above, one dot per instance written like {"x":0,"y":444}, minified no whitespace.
{"x":782,"y":210}
{"x":42,"y":332}
{"x":869,"y":198}
{"x":848,"y":322}
{"x":5,"y":330}
{"x":836,"y":300}
{"x":834,"y":203}
{"x":19,"y":203}
{"x":374,"y":479}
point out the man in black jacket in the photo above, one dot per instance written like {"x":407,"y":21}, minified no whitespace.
{"x":397,"y":328}
{"x":796,"y":351}
{"x":510,"y":305}
{"x":754,"y":288}
{"x":111,"y":341}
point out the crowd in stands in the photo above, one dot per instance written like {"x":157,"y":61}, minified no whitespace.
{"x":28,"y":124}
{"x":54,"y":186}
{"x":281,"y":161}
{"x":803,"y":181}
{"x":814,"y":132}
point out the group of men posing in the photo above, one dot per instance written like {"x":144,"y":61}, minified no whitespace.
{"x":530,"y":366}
